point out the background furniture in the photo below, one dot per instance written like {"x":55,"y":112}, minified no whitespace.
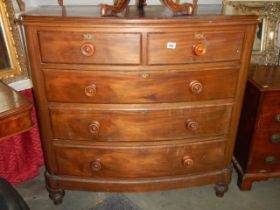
{"x":15,"y":112}
{"x":137,"y":102}
{"x":20,"y":148}
{"x":257,"y":150}
{"x":20,"y":154}
{"x":119,"y":6}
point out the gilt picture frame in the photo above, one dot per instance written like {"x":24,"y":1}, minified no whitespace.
{"x":265,"y":49}
{"x":12,"y":61}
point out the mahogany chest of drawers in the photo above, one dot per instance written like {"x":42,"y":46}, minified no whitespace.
{"x":257,"y":151}
{"x":140,"y":101}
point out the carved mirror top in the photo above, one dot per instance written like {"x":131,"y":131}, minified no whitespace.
{"x":120,"y":5}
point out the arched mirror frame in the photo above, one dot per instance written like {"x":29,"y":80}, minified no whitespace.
{"x":11,"y":42}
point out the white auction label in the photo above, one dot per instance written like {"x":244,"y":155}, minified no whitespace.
{"x":171,"y":45}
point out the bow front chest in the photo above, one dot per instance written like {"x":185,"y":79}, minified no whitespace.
{"x":140,"y":101}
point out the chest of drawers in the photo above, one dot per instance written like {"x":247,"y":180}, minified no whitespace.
{"x":257,"y":151}
{"x":138,"y":102}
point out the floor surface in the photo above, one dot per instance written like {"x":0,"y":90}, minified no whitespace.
{"x":263,"y":196}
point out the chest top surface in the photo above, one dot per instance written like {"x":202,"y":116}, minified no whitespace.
{"x":265,"y":77}
{"x":11,"y":101}
{"x":152,"y":14}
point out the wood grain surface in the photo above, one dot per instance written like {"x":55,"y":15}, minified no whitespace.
{"x":138,"y":101}
{"x":15,"y":112}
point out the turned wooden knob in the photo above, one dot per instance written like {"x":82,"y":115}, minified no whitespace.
{"x":192,"y":125}
{"x":271,"y":159}
{"x":277,"y":118}
{"x":187,"y":161}
{"x":96,"y":165}
{"x":275,"y":138}
{"x":196,"y":87}
{"x":199,"y":49}
{"x":94,"y":127}
{"x":91,"y":90}
{"x":87,"y":49}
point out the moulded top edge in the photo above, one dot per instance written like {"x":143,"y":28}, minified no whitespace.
{"x":151,"y":14}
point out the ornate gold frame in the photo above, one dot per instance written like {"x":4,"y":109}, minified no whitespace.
{"x":269,"y":14}
{"x":12,"y":40}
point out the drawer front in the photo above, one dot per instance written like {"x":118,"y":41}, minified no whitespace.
{"x":139,"y":124}
{"x":139,"y":87}
{"x":124,"y":162}
{"x":265,"y":151}
{"x":15,"y":124}
{"x":190,"y":47}
{"x":270,"y":111}
{"x":89,"y":48}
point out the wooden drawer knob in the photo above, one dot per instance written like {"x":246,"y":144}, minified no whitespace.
{"x":96,"y":165}
{"x":87,"y":49}
{"x":271,"y":159}
{"x":94,"y":127}
{"x":192,"y":125}
{"x":275,"y":138}
{"x":277,"y":118}
{"x":91,"y":90}
{"x":196,"y":87}
{"x":187,"y":161}
{"x":199,"y":49}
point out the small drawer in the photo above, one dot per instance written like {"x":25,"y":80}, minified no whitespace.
{"x":270,"y":111}
{"x":140,"y":86}
{"x":139,"y":162}
{"x":266,"y":151}
{"x":191,"y":47}
{"x":264,"y":162}
{"x":267,"y":140}
{"x":143,"y":123}
{"x":89,"y":48}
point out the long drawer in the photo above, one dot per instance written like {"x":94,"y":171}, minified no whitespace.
{"x":73,"y":47}
{"x":144,"y":161}
{"x":191,"y":47}
{"x":140,"y":86}
{"x":139,"y":123}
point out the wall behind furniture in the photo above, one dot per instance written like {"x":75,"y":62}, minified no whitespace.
{"x":34,"y":3}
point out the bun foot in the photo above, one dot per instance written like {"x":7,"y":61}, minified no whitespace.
{"x":56,"y":195}
{"x":221,"y":189}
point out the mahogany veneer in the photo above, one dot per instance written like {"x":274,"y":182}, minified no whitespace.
{"x":257,"y":151}
{"x":139,"y":101}
{"x":15,"y":112}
